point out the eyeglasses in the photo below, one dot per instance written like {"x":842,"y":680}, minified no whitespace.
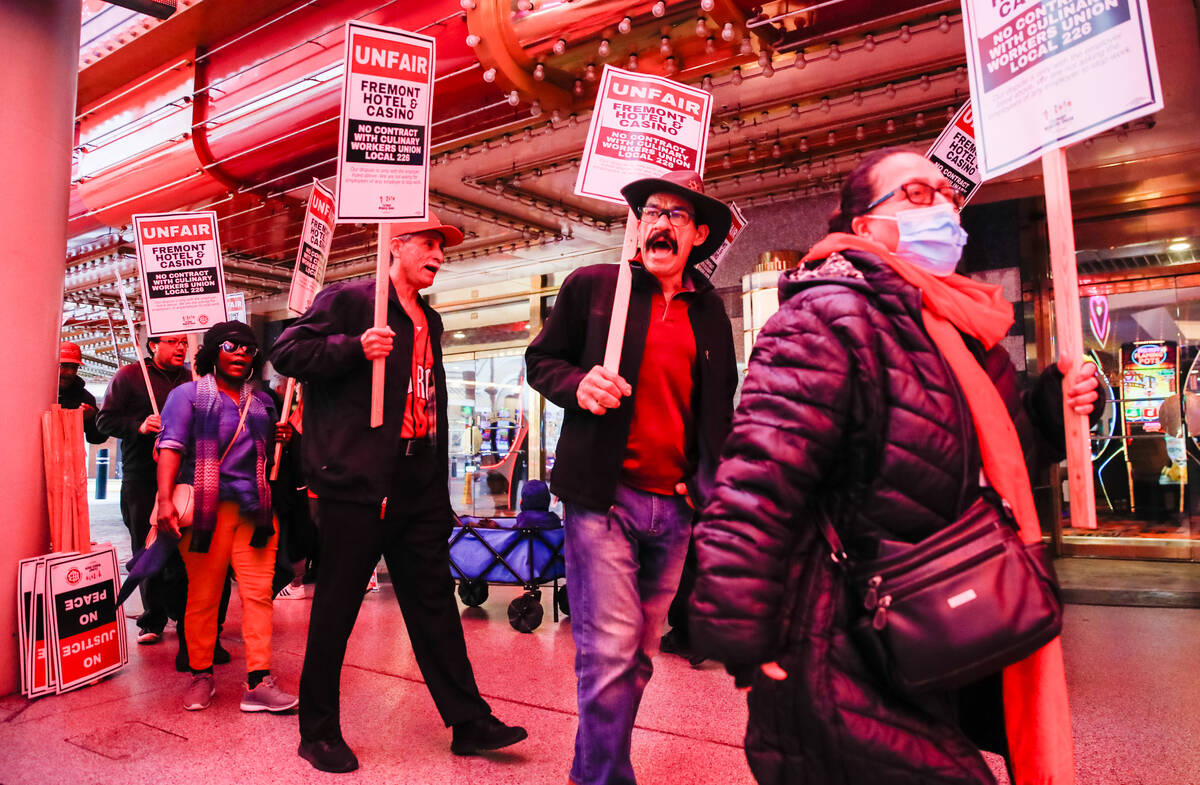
{"x":921,"y":194}
{"x":231,"y":347}
{"x":171,"y":341}
{"x":677,"y":216}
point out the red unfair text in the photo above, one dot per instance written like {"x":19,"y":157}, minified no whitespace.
{"x":321,"y":204}
{"x":641,"y":93}
{"x":390,"y":59}
{"x":174,"y":231}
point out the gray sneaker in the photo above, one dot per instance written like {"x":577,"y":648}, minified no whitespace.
{"x":268,"y":697}
{"x":199,"y":693}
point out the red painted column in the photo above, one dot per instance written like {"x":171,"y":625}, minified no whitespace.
{"x":37,"y":91}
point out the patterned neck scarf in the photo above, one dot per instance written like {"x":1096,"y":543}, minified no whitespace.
{"x":207,"y":477}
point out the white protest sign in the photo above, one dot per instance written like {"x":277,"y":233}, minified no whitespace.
{"x":1049,"y":73}
{"x":316,"y":238}
{"x":642,"y":126}
{"x":183,"y":281}
{"x":709,"y":265}
{"x":87,"y":627}
{"x":383,"y":141}
{"x":954,"y":153}
{"x":235,"y":306}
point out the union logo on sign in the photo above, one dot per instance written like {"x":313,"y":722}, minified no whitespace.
{"x":73,"y":576}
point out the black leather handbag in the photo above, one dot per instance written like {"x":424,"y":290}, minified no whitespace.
{"x":957,"y":606}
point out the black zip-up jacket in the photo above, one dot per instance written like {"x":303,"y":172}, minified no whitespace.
{"x":848,"y":410}
{"x":77,"y":395}
{"x":126,"y":405}
{"x":344,"y":458}
{"x":591,"y":448}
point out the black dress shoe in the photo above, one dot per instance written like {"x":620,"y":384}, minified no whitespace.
{"x":334,"y":756}
{"x":486,"y":733}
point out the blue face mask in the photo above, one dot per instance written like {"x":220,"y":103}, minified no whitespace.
{"x":930,"y":237}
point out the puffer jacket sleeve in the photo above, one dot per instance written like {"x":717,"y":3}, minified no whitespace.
{"x":787,"y":433}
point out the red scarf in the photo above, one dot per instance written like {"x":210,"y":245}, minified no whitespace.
{"x":1036,"y":713}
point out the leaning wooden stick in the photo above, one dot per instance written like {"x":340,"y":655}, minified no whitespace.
{"x":284,"y":411}
{"x":620,"y":307}
{"x":383,"y":259}
{"x":1069,"y":333}
{"x":137,"y":350}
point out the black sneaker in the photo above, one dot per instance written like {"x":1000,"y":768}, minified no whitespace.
{"x":674,"y":643}
{"x":486,"y":733}
{"x":334,"y":756}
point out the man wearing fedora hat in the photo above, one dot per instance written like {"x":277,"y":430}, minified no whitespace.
{"x":382,"y":491}
{"x":637,"y":449}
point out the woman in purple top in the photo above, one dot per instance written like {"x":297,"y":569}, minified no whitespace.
{"x":218,"y":435}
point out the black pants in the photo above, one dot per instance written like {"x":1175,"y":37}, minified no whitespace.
{"x":163,"y":595}
{"x":413,"y":539}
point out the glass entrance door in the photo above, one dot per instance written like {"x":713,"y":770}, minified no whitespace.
{"x":1145,"y":337}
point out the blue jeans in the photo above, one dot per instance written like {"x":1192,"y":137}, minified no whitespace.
{"x":623,"y":568}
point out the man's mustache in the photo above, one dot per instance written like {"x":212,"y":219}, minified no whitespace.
{"x":662,"y":235}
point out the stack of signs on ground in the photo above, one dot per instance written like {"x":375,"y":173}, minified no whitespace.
{"x":1046,"y":73}
{"x":316,"y":237}
{"x":642,"y":126}
{"x":183,"y":281}
{"x":71,"y":630}
{"x":383,"y":149}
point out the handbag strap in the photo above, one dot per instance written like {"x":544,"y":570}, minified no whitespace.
{"x":236,"y":433}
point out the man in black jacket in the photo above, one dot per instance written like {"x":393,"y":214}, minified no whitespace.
{"x":73,"y":394}
{"x":128,"y":415}
{"x":637,"y":449}
{"x":382,"y":491}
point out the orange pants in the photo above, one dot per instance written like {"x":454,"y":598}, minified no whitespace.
{"x":254,"y":569}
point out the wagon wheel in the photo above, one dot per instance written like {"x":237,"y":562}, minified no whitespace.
{"x":473,"y":591}
{"x":562,"y":601}
{"x":525,"y":613}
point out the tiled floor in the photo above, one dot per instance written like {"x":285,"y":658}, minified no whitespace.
{"x":1131,"y":671}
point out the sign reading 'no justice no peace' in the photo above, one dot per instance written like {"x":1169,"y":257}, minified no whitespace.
{"x":383,"y":149}
{"x":183,"y":282}
{"x":1049,"y":73}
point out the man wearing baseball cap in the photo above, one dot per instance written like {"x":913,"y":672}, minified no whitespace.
{"x":637,"y":449}
{"x":73,"y":394}
{"x":382,"y":491}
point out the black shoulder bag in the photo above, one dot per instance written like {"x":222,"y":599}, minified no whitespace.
{"x":957,"y":606}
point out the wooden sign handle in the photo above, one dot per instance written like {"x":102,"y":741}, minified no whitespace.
{"x":137,"y":349}
{"x":284,"y":411}
{"x":620,"y":306}
{"x":383,"y":258}
{"x":1069,"y":333}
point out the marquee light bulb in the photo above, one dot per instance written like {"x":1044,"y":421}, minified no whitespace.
{"x":701,"y":28}
{"x":659,"y":8}
{"x":708,"y":5}
{"x":473,"y":40}
{"x":625,"y":25}
{"x":603,"y":49}
{"x":514,"y":98}
{"x":466,"y":5}
{"x":664,"y":48}
{"x":489,"y":75}
{"x":736,"y":78}
{"x":539,"y":72}
{"x":560,"y":46}
{"x":727,"y":31}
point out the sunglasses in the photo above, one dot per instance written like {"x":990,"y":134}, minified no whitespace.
{"x":231,"y":347}
{"x":921,"y":194}
{"x":676,"y":216}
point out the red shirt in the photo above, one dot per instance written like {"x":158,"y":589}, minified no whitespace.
{"x":419,"y":411}
{"x":656,"y":453}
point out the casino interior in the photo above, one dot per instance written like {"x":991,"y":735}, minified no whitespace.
{"x":233,"y":107}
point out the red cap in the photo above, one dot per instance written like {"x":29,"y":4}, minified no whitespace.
{"x":451,"y":234}
{"x":70,"y":353}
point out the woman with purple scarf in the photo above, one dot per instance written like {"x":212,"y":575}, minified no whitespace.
{"x":218,"y":435}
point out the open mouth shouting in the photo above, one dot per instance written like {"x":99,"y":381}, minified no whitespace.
{"x":661,"y":241}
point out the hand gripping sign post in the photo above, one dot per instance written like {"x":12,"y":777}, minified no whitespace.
{"x":642,"y":126}
{"x":383,"y":146}
{"x":1045,"y":74}
{"x":316,"y":238}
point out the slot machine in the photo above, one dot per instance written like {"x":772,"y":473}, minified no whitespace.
{"x":1149,"y":380}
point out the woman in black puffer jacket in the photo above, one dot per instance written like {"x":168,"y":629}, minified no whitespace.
{"x":852,"y":410}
